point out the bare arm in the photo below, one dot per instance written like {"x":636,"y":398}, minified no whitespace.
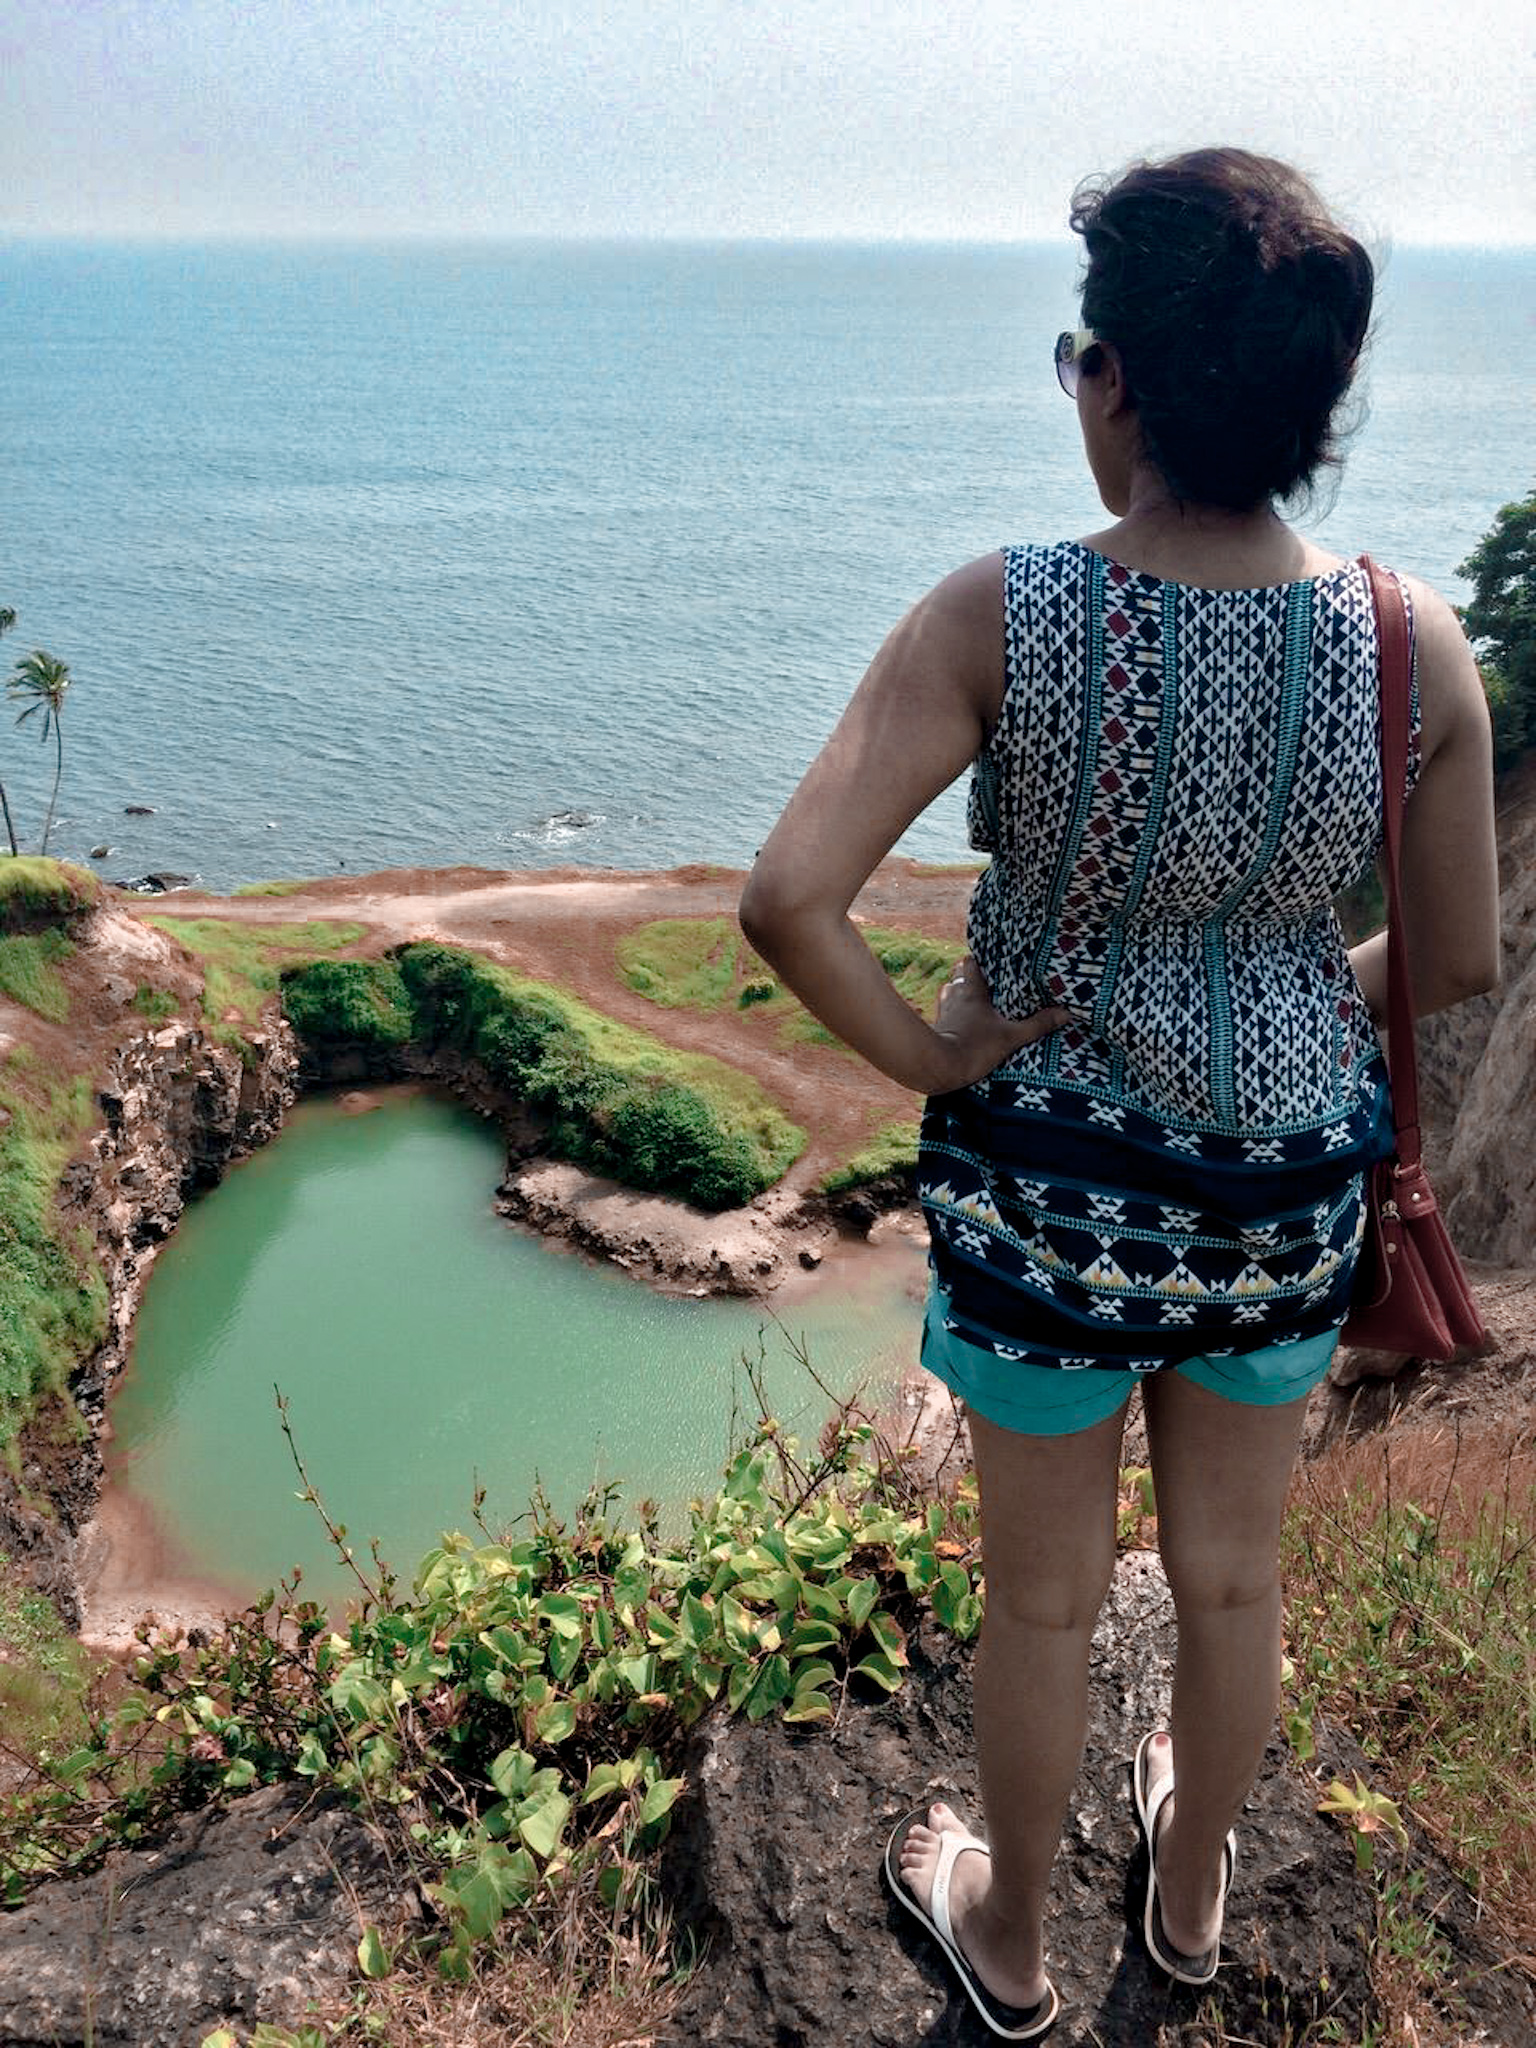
{"x":915,"y":722}
{"x":1450,"y":865}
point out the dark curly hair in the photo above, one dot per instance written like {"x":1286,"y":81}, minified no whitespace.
{"x":1238,"y":309}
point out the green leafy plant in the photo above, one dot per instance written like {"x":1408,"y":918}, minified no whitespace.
{"x":1366,"y":1813}
{"x":513,"y":1720}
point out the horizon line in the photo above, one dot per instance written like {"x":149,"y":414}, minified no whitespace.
{"x":488,"y":238}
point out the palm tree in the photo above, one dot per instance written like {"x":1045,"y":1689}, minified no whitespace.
{"x":41,"y":682}
{"x":7,"y":620}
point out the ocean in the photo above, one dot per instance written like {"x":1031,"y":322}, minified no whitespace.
{"x":518,"y":554}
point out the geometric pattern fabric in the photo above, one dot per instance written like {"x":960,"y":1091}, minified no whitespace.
{"x":1179,"y":783}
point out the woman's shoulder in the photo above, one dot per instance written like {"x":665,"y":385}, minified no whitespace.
{"x":1450,"y":688}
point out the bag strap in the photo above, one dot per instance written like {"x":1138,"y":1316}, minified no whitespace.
{"x":1396,"y":719}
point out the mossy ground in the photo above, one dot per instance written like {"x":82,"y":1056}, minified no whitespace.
{"x":290,"y":888}
{"x":893,"y":1149}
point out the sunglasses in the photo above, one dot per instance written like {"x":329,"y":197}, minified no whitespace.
{"x":1071,"y":348}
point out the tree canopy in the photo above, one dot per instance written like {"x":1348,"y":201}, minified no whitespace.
{"x":1501,"y":624}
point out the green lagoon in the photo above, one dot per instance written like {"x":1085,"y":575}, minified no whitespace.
{"x":425,"y":1345}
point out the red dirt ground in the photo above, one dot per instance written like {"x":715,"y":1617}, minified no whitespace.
{"x":563,"y":925}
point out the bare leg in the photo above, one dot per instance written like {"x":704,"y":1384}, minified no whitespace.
{"x":1048,"y":1543}
{"x":1221,"y":1470}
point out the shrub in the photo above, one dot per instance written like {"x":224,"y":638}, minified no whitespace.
{"x":666,"y":1138}
{"x":358,"y":1002}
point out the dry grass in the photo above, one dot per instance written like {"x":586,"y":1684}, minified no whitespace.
{"x":518,"y":2000}
{"x":1413,"y":1618}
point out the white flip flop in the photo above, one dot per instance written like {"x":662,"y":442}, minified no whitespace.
{"x":1008,"y":2022}
{"x":1197,"y":1969}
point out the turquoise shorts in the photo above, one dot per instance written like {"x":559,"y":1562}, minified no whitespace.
{"x":1044,"y":1400}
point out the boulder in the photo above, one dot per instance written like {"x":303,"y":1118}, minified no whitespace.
{"x":239,"y":1915}
{"x":773,"y":1864}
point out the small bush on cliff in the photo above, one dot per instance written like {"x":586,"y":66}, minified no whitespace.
{"x":358,"y":1002}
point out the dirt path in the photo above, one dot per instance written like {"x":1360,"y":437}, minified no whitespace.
{"x":563,"y":925}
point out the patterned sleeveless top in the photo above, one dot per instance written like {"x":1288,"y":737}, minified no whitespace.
{"x":1179,"y":783}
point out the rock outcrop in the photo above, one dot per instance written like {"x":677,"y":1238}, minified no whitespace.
{"x":774,"y":1861}
{"x":773,"y":1868}
{"x":1478,"y":1067}
{"x":238,"y":1916}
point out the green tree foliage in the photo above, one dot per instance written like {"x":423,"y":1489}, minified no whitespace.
{"x":39,"y":683}
{"x":1501,"y":624}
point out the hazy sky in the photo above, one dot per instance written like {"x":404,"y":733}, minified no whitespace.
{"x":891,"y":118}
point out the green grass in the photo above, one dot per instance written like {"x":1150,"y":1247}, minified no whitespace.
{"x":701,"y":963}
{"x":891,"y":1150}
{"x":682,"y":963}
{"x":53,"y":1305}
{"x":242,"y":963}
{"x":292,"y":888}
{"x":36,"y":891}
{"x":155,"y":1003}
{"x":29,"y":971}
{"x":617,"y":1098}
